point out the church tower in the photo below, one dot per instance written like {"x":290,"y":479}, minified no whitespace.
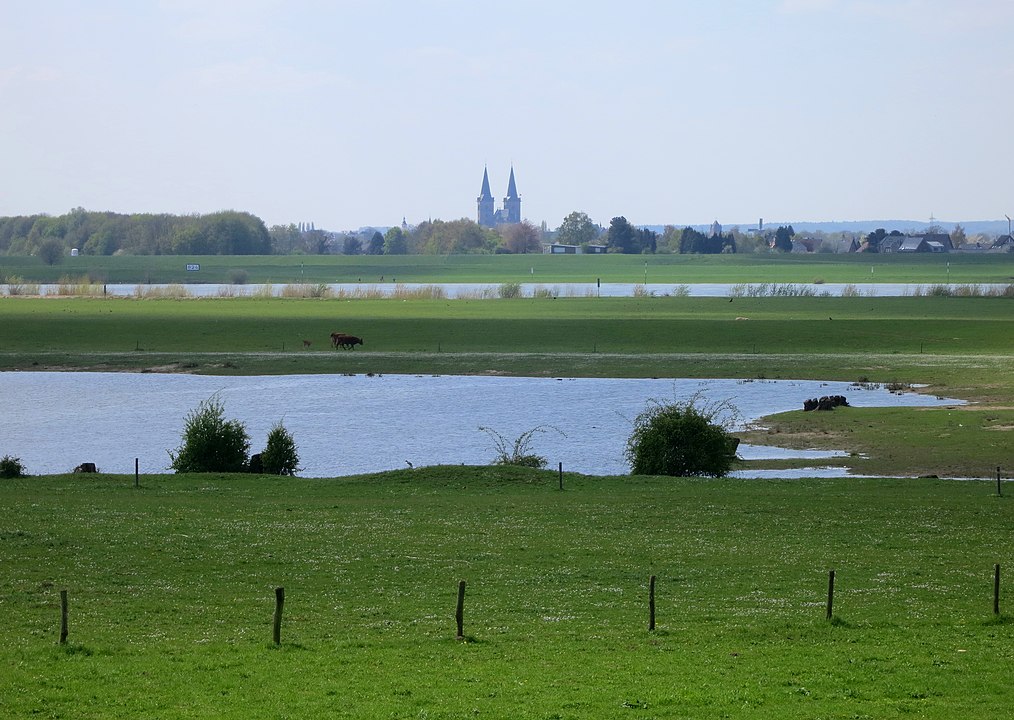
{"x":512,"y":203}
{"x":485,"y":203}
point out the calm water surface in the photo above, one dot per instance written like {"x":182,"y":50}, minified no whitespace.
{"x":353,"y":424}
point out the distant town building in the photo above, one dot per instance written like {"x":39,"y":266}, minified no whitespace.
{"x":716,"y":229}
{"x":511,"y":211}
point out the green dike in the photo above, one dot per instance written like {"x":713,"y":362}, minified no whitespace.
{"x":171,"y":592}
{"x":494,"y":269}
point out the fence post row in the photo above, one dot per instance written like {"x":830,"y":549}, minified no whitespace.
{"x":459,"y":612}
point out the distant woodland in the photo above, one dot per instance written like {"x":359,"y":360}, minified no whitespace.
{"x":108,"y":233}
{"x":240,"y":233}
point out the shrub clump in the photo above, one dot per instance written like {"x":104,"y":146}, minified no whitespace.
{"x":681,"y":439}
{"x":11,"y":467}
{"x":210,"y":442}
{"x":510,"y":290}
{"x":280,"y":455}
{"x":519,"y":452}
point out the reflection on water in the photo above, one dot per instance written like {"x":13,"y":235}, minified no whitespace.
{"x":354,"y":424}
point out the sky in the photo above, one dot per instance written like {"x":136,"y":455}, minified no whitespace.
{"x":353,"y":113}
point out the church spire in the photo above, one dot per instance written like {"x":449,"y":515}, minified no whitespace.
{"x":484,"y":193}
{"x":485,"y":203}
{"x":512,"y":203}
{"x":512,"y":188}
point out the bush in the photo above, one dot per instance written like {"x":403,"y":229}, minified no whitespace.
{"x":681,"y":439}
{"x":11,"y":467}
{"x":520,"y":453}
{"x":280,"y":455}
{"x":510,"y":290}
{"x":210,"y":442}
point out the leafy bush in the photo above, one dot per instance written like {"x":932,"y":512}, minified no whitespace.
{"x":681,"y":439}
{"x":510,"y":290}
{"x":11,"y":467}
{"x":280,"y":455}
{"x":519,"y":453}
{"x":210,"y":442}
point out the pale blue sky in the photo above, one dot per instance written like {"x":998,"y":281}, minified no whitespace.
{"x":360,"y":112}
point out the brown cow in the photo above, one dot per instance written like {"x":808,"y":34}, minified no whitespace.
{"x":346,"y":342}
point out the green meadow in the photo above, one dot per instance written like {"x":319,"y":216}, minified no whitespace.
{"x":540,"y":268}
{"x":171,"y":597}
{"x":171,"y":584}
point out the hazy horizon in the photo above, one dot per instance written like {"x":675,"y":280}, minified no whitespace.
{"x":347,"y":114}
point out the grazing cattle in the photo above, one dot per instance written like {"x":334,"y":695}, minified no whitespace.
{"x":825,"y":403}
{"x":345,"y":342}
{"x":86,"y":468}
{"x":306,"y":344}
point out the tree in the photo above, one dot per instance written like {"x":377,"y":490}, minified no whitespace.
{"x":577,"y":229}
{"x":351,"y":245}
{"x":522,"y":237}
{"x":958,"y":237}
{"x":783,"y":238}
{"x":671,"y":237}
{"x":210,"y":442}
{"x":681,"y":439}
{"x":439,"y":237}
{"x":395,"y":242}
{"x":51,"y":251}
{"x":280,"y":455}
{"x":376,"y":244}
{"x":621,"y":236}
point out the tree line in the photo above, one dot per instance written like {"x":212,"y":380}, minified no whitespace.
{"x":240,"y":233}
{"x":107,"y":233}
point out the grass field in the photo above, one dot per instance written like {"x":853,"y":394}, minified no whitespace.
{"x":171,"y":592}
{"x":676,"y":269}
{"x":956,"y":345}
{"x":171,"y":584}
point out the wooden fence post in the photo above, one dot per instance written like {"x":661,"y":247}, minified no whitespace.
{"x":830,"y":593}
{"x":996,"y":589}
{"x":651,"y":604}
{"x":279,"y":603}
{"x":999,"y":489}
{"x":137,"y":473}
{"x":459,"y":612}
{"x":561,"y":476}
{"x":63,"y":617}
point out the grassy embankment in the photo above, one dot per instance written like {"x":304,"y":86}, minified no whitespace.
{"x":676,"y":269}
{"x":959,"y":347}
{"x":171,"y":592}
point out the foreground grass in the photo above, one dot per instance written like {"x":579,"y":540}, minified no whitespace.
{"x":171,"y":592}
{"x":677,"y":269}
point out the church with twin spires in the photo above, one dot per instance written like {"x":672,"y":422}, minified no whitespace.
{"x":511,"y":211}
